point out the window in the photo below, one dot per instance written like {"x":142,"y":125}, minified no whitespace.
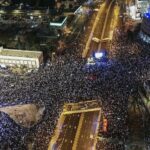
{"x":6,"y":61}
{"x":33,"y":63}
{"x":21,"y":62}
{"x":30,"y":66}
{"x":29,"y":62}
{"x":25,"y":62}
{"x":17,"y":62}
{"x":1,"y":60}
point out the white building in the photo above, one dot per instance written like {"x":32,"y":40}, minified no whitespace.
{"x":137,"y":9}
{"x":145,"y":27}
{"x":11,"y":57}
{"x":141,"y":5}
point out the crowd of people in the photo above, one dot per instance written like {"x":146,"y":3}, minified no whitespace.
{"x":64,"y":81}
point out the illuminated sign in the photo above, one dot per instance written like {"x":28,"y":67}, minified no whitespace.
{"x":57,"y":24}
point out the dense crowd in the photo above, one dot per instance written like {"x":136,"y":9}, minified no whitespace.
{"x":64,"y":81}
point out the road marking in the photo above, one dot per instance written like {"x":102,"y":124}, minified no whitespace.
{"x":78,"y":132}
{"x":81,"y":111}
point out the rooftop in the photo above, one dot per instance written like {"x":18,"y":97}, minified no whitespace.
{"x":20,"y":53}
{"x":59,"y":21}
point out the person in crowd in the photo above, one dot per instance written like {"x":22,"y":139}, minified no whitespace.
{"x":64,"y":81}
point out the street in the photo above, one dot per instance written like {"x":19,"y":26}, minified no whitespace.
{"x":78,"y":131}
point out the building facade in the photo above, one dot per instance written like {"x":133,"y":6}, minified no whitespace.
{"x":145,"y":95}
{"x":145,"y":27}
{"x":137,"y":9}
{"x":11,"y":57}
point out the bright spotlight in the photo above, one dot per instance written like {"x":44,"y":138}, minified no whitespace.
{"x":99,"y":55}
{"x":31,"y":17}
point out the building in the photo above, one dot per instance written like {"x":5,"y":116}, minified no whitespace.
{"x":69,"y":3}
{"x":137,"y":9}
{"x":145,"y":27}
{"x":145,"y":95}
{"x":11,"y":57}
{"x":59,"y":22}
{"x":141,"y":5}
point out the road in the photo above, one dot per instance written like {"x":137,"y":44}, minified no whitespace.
{"x":107,"y":22}
{"x":88,"y":131}
{"x":67,"y":132}
{"x":77,"y":132}
{"x":99,"y":28}
{"x":110,"y":27}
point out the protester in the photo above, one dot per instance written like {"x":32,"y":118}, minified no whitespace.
{"x":64,"y":81}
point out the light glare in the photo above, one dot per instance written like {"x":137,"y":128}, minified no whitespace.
{"x":98,"y":55}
